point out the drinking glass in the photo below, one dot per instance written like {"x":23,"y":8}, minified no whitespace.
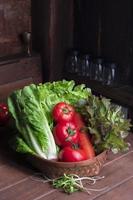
{"x":85,"y":65}
{"x":110,"y":74}
{"x":113,"y":73}
{"x":97,"y":70}
{"x":72,"y":62}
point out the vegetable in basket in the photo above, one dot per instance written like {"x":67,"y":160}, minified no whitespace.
{"x":65,"y":134}
{"x":72,"y":154}
{"x":106,"y":123}
{"x":70,"y":134}
{"x":85,"y":142}
{"x":63,"y":111}
{"x":31,"y":108}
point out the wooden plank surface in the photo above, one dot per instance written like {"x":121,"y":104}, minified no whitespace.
{"x":18,"y":180}
{"x":123,"y":191}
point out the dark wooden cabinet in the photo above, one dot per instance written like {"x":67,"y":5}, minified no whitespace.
{"x":17,"y":71}
{"x":104,"y":28}
{"x":15,"y":18}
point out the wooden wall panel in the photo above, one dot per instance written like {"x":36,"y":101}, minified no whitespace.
{"x":14,"y":19}
{"x":17,"y":72}
{"x":52,"y":33}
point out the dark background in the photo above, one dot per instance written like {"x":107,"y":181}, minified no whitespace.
{"x":100,"y":27}
{"x":104,"y":28}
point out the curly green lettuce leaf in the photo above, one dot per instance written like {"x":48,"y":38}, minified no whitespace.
{"x":106,"y":123}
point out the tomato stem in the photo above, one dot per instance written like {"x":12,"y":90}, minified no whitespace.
{"x":71,"y":131}
{"x":65,"y":110}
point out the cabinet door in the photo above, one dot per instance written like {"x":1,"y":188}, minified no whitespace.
{"x":16,"y":73}
{"x":104,"y":28}
{"x":6,"y":89}
{"x":21,"y":68}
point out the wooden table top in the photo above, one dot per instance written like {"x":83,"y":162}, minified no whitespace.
{"x":18,"y":180}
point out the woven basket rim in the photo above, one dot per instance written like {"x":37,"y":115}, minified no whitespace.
{"x":70,"y":164}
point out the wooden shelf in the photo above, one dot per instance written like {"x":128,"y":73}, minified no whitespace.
{"x":122,"y":94}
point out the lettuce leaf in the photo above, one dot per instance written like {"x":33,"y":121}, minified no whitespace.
{"x":31,"y":122}
{"x":31,"y":108}
{"x":106,"y":123}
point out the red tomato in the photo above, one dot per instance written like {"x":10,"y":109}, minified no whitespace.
{"x":63,"y":112}
{"x":4,"y":114}
{"x":70,"y":154}
{"x":65,"y":134}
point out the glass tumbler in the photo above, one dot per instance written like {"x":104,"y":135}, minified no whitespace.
{"x":109,"y":74}
{"x":85,"y":65}
{"x":113,"y":73}
{"x":72,"y":62}
{"x":98,"y":70}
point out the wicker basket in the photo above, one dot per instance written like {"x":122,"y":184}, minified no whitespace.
{"x":54,"y":169}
